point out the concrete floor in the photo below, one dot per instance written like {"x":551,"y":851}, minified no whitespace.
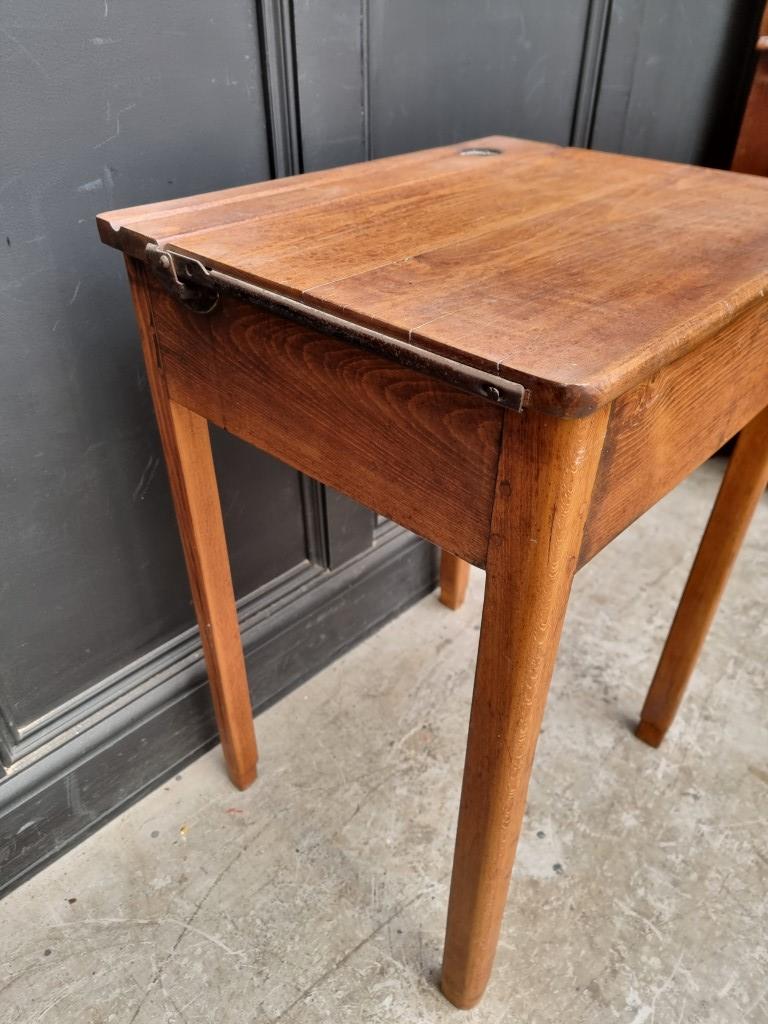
{"x":639,"y":893}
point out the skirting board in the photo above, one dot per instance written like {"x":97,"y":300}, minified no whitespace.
{"x":55,"y":797}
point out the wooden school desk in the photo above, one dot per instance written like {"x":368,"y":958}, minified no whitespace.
{"x":512,"y":349}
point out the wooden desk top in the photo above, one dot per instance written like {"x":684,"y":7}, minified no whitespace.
{"x":572,"y":272}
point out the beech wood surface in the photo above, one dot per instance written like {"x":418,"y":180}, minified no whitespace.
{"x":415,"y":449}
{"x":187,"y":449}
{"x":454,"y":578}
{"x":564,"y":270}
{"x":663,"y":429}
{"x":743,"y":485}
{"x":163,"y":221}
{"x":751,"y":153}
{"x":751,"y":156}
{"x":546,"y":473}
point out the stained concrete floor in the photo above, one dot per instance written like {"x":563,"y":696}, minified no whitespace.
{"x":639,"y":894}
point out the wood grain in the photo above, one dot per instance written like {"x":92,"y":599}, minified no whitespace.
{"x":454,"y":578}
{"x":575,"y":273}
{"x":308,"y":251}
{"x":598,"y":299}
{"x":743,"y":485}
{"x":418,"y":451}
{"x":751,"y":153}
{"x":336,"y":239}
{"x":255,"y":205}
{"x":546,"y":473}
{"x":187,"y":450}
{"x":663,"y":429}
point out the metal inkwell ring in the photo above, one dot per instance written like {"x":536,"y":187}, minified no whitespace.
{"x":479,"y":151}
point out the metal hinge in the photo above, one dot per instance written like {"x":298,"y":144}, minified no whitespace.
{"x":185,"y":278}
{"x":199,"y":288}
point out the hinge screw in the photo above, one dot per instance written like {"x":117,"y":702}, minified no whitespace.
{"x":165,"y":260}
{"x":493,"y":393}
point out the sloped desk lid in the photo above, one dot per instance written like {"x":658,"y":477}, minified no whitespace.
{"x":572,"y":273}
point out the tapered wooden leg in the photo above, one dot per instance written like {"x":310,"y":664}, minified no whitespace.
{"x":546,"y":473}
{"x":187,"y":449}
{"x":454,"y":577}
{"x":743,"y":484}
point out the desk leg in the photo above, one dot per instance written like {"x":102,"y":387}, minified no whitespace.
{"x":546,"y":473}
{"x":454,"y":577}
{"x":187,"y":448}
{"x":743,"y":484}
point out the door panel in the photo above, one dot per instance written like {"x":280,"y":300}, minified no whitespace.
{"x":261,"y":502}
{"x":445,"y":71}
{"x":668,"y":74}
{"x":103,"y":108}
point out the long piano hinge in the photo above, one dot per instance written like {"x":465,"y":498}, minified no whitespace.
{"x":199,"y":288}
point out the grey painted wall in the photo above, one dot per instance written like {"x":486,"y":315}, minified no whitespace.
{"x":106,"y":104}
{"x":101,"y":110}
{"x":673,"y":78}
